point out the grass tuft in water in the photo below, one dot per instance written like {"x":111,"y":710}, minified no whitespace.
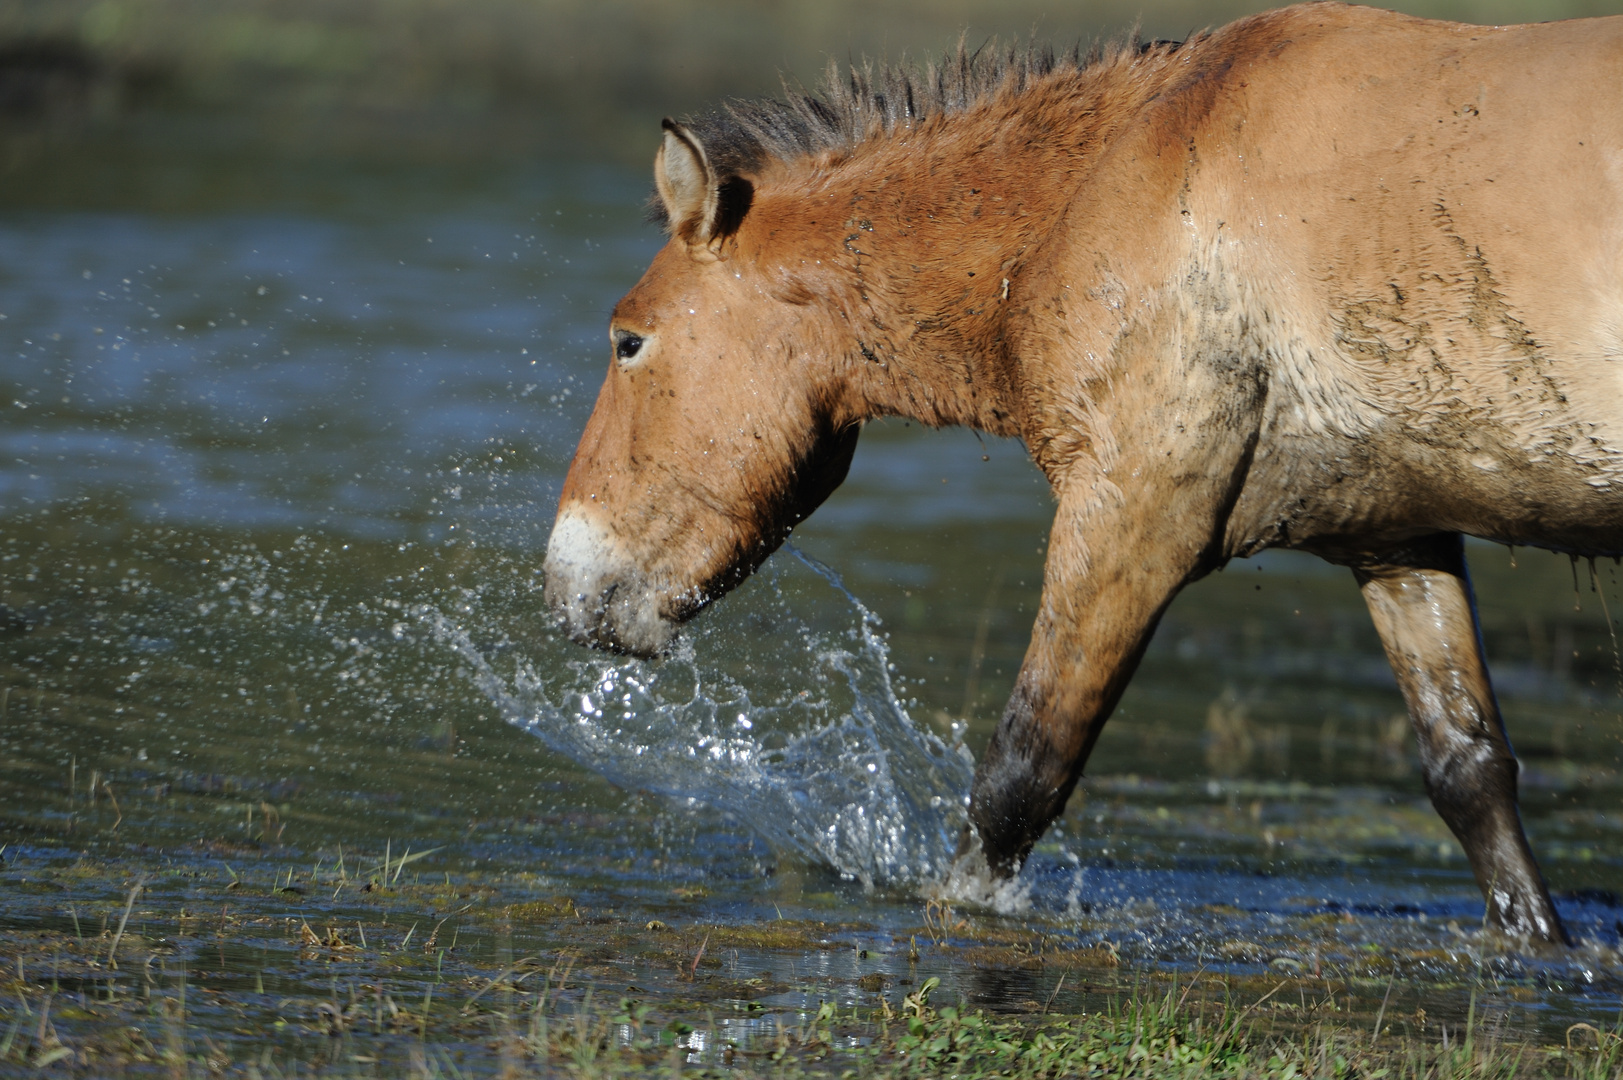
{"x":532,"y":1018}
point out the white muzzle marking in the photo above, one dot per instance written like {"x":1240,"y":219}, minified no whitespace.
{"x":604,"y":598}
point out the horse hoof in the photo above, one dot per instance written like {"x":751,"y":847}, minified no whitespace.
{"x":971,"y":879}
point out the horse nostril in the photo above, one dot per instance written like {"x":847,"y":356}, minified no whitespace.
{"x":627,"y":345}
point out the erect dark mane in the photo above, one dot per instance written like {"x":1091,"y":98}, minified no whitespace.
{"x":867,"y":101}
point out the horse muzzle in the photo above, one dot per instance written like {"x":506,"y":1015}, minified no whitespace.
{"x":602,"y":596}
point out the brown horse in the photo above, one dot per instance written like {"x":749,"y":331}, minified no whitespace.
{"x":1328,"y":278}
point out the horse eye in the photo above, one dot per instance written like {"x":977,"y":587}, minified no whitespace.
{"x":627,"y":345}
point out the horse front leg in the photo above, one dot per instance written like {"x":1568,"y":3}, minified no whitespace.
{"x":1112,"y":569}
{"x":1421,"y":600}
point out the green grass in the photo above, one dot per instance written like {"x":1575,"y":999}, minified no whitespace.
{"x":1187,"y":1032}
{"x":180,"y":967}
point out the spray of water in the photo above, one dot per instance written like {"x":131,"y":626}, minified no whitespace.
{"x":792,"y":728}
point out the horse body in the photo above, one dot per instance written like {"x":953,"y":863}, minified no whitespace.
{"x":1420,"y":264}
{"x":1328,"y":278}
{"x":1436,"y":245}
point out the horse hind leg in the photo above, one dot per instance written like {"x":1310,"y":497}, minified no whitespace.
{"x":1421,"y":600}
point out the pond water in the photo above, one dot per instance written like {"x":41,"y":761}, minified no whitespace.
{"x":276,"y":476}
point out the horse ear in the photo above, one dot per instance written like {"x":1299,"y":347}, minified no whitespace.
{"x":686,"y":183}
{"x":700,"y":206}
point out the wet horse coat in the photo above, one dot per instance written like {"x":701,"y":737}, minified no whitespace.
{"x":1328,"y":278}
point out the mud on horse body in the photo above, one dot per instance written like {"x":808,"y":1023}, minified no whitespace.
{"x":1328,"y":278}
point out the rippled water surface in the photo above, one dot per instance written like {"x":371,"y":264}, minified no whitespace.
{"x":275,"y":484}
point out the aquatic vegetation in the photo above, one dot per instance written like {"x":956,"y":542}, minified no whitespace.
{"x":132,"y":965}
{"x":395,"y":1010}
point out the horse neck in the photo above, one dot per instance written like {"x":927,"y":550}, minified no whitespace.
{"x":933,"y":230}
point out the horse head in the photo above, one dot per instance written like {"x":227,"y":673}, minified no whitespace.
{"x":722,"y":422}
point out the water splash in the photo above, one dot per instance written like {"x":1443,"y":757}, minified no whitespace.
{"x":794,"y":729}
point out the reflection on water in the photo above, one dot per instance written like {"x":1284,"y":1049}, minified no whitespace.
{"x":274,"y":491}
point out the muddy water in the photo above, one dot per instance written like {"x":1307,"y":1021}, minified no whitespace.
{"x":275,"y":481}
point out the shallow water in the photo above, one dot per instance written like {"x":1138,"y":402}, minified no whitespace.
{"x":275,"y":484}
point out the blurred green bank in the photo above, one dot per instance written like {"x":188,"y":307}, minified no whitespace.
{"x":443,"y":79}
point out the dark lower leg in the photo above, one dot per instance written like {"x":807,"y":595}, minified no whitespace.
{"x":1475,"y":793}
{"x":1021,"y":786}
{"x":1420,"y":598}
